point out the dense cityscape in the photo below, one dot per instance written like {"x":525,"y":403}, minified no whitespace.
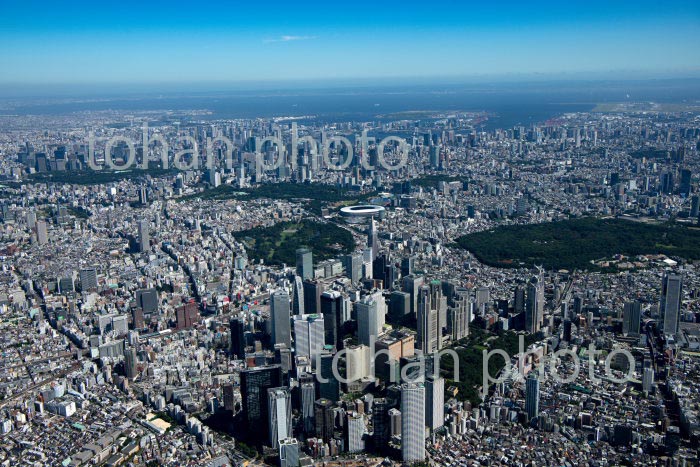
{"x":411,"y":289}
{"x":350,"y":234}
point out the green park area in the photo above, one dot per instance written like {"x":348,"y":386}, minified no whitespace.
{"x":277,"y":244}
{"x":574,"y":243}
{"x":471,"y":359}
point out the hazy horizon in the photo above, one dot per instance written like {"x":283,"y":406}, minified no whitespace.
{"x":513,"y":81}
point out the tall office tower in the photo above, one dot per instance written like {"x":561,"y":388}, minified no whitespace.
{"x":432,"y":305}
{"x":667,"y":183}
{"x":521,"y":206}
{"x":308,"y":397}
{"x":380,"y":422}
{"x":434,"y":154}
{"x":357,"y":362}
{"x":458,"y":319}
{"x":614,"y":178}
{"x":42,"y":234}
{"x":407,"y":265}
{"x":187,"y":315}
{"x":534,"y":306}
{"x":309,"y":335}
{"x":283,"y":356}
{"x":144,"y":235}
{"x":578,"y":305}
{"x":331,"y":308}
{"x":631,"y":318}
{"x":394,"y":416}
{"x":685,"y":185}
{"x":298,"y":296}
{"x":305,"y":263}
{"x":143,"y":198}
{"x":671,"y":296}
{"x":66,"y":285}
{"x":353,"y":266}
{"x":411,"y":284}
{"x":434,"y":402}
{"x":312,"y":296}
{"x":147,"y":299}
{"x":279,"y":408}
{"x":532,"y":396}
{"x":564,"y":309}
{"x":355,"y":431}
{"x":519,"y":300}
{"x":241,"y":179}
{"x":695,"y":207}
{"x":567,"y":331}
{"x":328,"y":386}
{"x":413,"y":422}
{"x":289,"y":452}
{"x":399,"y":306}
{"x":88,"y":279}
{"x":371,"y":313}
{"x":130,"y":361}
{"x":237,"y":326}
{"x":324,"y":418}
{"x":229,"y":397}
{"x":648,"y":379}
{"x":372,"y":238}
{"x":31,"y":219}
{"x":280,"y":318}
{"x":41,"y":162}
{"x":483,"y":297}
{"x":540,"y":293}
{"x":383,"y":270}
{"x":254,"y":385}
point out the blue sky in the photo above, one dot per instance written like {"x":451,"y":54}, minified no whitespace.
{"x":174,"y":41}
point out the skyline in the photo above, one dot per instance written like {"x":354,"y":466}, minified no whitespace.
{"x":126,"y":43}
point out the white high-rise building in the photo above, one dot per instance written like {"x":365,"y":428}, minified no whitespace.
{"x":372,"y":238}
{"x":357,"y":362}
{"x":356,"y":430}
{"x":42,"y":234}
{"x":413,"y":422}
{"x":309,"y":335}
{"x":458,"y":317}
{"x":298,"y":296}
{"x":434,"y":402}
{"x":280,"y":415}
{"x":432,"y":306}
{"x":371,"y":315}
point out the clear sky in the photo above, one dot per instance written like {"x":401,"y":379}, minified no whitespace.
{"x":175,"y":41}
